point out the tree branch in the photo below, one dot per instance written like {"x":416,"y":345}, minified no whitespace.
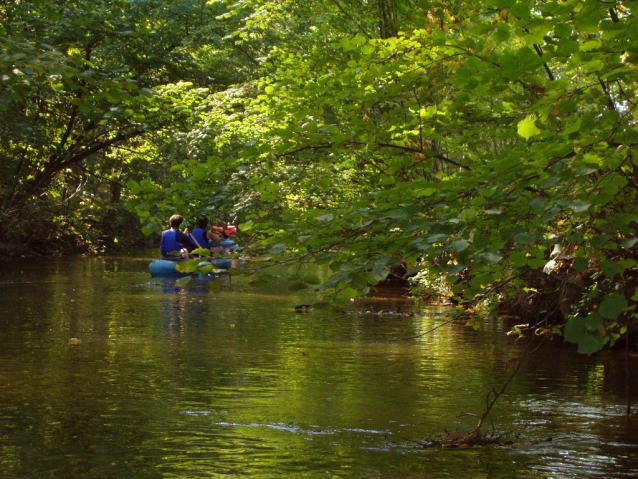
{"x":547,"y":69}
{"x":58,"y":162}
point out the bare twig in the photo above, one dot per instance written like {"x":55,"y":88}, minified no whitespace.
{"x":627,"y":373}
{"x":494,"y":394}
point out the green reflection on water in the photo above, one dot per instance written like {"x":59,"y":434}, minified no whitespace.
{"x":231,"y":381}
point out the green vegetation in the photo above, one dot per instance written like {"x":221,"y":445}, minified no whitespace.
{"x":486,"y":146}
{"x":86,"y":85}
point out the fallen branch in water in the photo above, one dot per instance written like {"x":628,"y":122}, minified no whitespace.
{"x":475,"y":437}
{"x":460,"y":439}
{"x":476,"y":433}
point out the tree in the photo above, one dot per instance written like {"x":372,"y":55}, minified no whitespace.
{"x":83,"y":78}
{"x":468,"y":144}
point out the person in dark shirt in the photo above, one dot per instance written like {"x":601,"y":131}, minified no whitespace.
{"x":173,"y":240}
{"x":206,"y":238}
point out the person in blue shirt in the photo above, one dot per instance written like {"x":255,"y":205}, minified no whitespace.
{"x":173,"y":240}
{"x":206,"y":238}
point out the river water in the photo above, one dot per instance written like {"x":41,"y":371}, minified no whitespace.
{"x":105,"y":374}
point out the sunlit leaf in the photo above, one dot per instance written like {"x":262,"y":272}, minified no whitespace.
{"x":180,"y":283}
{"x":187,"y":266}
{"x":348,"y":293}
{"x":527,"y":128}
{"x":206,"y":269}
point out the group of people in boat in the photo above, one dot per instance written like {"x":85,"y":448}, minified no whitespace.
{"x":175,"y":242}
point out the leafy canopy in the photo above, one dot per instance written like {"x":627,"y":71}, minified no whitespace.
{"x":465,"y":140}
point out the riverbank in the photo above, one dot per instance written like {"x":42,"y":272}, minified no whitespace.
{"x":13,"y":251}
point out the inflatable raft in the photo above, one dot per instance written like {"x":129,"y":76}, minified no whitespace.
{"x":166,"y":267}
{"x":230,"y":245}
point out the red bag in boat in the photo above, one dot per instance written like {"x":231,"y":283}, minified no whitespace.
{"x":231,"y":230}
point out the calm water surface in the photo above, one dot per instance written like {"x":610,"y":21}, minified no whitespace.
{"x":105,"y":374}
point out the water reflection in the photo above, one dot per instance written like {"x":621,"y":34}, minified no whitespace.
{"x":203,"y":380}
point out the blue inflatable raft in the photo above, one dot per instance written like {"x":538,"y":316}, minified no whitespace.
{"x":165,"y":267}
{"x":230,"y":245}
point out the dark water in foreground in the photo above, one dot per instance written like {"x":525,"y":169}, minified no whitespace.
{"x":105,"y":376}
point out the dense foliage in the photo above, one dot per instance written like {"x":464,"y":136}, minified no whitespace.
{"x":487,"y":147}
{"x":84,"y":83}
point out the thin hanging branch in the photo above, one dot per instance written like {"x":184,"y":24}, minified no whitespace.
{"x":547,"y":69}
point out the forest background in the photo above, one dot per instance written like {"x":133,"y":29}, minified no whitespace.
{"x":485,"y":147}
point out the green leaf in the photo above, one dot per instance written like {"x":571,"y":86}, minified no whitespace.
{"x":180,"y":283}
{"x":581,"y":264}
{"x":359,"y":40}
{"x":311,"y":279}
{"x":478,"y":201}
{"x":436,"y":238}
{"x":380,"y":271}
{"x":469,"y":214}
{"x":187,"y":266}
{"x":201,"y":251}
{"x":367,"y":49}
{"x":278,"y":248}
{"x":612,"y":268}
{"x":348,"y":293}
{"x":247,"y":226}
{"x":578,"y":206}
{"x":459,"y":245}
{"x":585,"y":333}
{"x":453,"y":269}
{"x":500,"y":36}
{"x":297,"y":286}
{"x":527,"y":128}
{"x":425,"y":192}
{"x":147,"y":185}
{"x":403,"y":213}
{"x":525,"y":238}
{"x":490,"y":258}
{"x":599,"y":241}
{"x":520,"y":10}
{"x":591,"y":45}
{"x":206,"y":269}
{"x":612,"y":306}
{"x":134,"y":186}
{"x":585,"y":170}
